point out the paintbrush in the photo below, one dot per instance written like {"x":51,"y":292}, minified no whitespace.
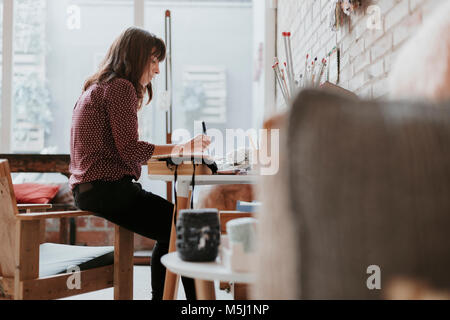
{"x":276,"y":69}
{"x":290,"y":66}
{"x":284,"y":74}
{"x":322,"y":68}
{"x":282,"y":77}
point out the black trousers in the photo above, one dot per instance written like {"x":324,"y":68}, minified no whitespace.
{"x":126,"y":204}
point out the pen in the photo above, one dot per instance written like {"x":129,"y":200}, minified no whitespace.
{"x":204,"y":132}
{"x":204,"y":127}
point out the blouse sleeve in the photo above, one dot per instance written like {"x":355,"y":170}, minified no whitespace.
{"x":122,"y":105}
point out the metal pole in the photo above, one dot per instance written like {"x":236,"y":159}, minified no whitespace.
{"x":168,"y":39}
{"x":168,"y":31}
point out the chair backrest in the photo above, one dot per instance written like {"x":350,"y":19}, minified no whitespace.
{"x":368,"y":185}
{"x":225,"y":216}
{"x":38,"y":162}
{"x":8,"y":211}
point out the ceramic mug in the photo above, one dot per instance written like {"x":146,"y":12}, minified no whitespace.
{"x":198,"y":235}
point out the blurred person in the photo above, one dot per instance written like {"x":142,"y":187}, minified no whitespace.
{"x":422,"y":68}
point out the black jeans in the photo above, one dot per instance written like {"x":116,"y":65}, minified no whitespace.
{"x":126,"y":204}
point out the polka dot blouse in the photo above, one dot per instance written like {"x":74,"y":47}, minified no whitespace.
{"x":104,"y":135}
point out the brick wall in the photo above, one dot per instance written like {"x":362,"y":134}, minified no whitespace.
{"x":94,"y":231}
{"x":367,"y":54}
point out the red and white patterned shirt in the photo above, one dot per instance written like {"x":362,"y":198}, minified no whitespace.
{"x":104,"y":135}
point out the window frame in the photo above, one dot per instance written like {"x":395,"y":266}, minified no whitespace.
{"x":7,"y":75}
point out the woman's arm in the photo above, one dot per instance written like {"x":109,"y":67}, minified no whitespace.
{"x":164,"y":149}
{"x":198,"y":144}
{"x":121,"y":106}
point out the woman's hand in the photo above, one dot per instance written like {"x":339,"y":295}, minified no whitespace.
{"x":197,"y":145}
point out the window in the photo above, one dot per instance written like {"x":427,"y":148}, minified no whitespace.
{"x":1,"y":70}
{"x":212,"y":44}
{"x":205,"y":94}
{"x":57,"y":45}
{"x":31,"y":112}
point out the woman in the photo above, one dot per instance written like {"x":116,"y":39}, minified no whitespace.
{"x":106,"y":154}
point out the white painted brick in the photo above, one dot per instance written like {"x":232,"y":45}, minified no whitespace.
{"x":356,"y":82}
{"x":382,"y":46}
{"x":375,"y":70}
{"x":394,"y":16}
{"x":365,"y":92}
{"x":371,"y":36}
{"x":360,"y":29}
{"x":407,"y":28}
{"x":413,"y":4}
{"x":389,"y":60}
{"x":367,"y":55}
{"x":386,"y":5}
{"x":356,"y":49}
{"x":361,"y":62}
{"x":401,"y":33}
{"x":380,"y":88}
{"x":347,"y":72}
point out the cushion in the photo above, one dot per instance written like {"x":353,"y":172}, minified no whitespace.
{"x":64,"y":197}
{"x":58,"y":258}
{"x":35,"y":192}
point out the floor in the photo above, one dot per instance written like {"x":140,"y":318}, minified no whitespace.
{"x":142,"y":289}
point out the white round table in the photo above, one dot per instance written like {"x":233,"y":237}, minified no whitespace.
{"x":204,"y":274}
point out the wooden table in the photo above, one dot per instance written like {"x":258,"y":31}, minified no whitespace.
{"x":183,"y":197}
{"x":204,"y":274}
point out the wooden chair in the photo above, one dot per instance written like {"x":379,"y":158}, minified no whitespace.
{"x":20,"y":249}
{"x":48,"y":163}
{"x":225,"y":216}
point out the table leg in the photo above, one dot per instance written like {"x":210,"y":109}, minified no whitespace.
{"x":240,"y":291}
{"x":205,"y":290}
{"x":170,"y":285}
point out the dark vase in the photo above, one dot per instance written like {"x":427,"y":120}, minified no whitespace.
{"x":198,"y":235}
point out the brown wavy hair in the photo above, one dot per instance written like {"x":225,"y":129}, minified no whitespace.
{"x":128,"y":58}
